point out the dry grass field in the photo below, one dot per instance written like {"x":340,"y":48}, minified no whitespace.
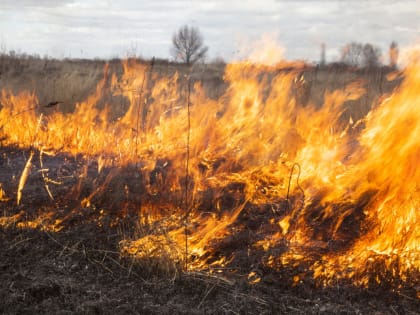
{"x":153,"y":188}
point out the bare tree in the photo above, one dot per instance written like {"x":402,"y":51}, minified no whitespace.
{"x":352,"y":54}
{"x":359,"y":55}
{"x":188,"y":45}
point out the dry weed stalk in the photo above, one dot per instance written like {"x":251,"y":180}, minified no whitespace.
{"x":44,"y":177}
{"x":140,"y":108}
{"x":187,"y":171}
{"x":28,"y":165}
{"x":24,"y":177}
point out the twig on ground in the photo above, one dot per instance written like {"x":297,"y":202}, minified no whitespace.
{"x":207,"y":277}
{"x":393,"y":310}
{"x":255,"y":298}
{"x":295,"y":309}
{"x":205,"y":296}
{"x":408,"y":297}
{"x":20,"y":242}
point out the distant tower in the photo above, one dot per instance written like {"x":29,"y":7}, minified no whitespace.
{"x":393,"y":55}
{"x":323,"y":62}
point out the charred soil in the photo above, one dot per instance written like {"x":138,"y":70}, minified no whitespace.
{"x":70,"y":261}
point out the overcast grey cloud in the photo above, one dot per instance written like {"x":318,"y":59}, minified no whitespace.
{"x":95,"y":28}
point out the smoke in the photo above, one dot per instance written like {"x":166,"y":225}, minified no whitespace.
{"x":266,"y":51}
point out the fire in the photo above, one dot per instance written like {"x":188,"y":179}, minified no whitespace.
{"x":262,"y":159}
{"x":267,"y":51}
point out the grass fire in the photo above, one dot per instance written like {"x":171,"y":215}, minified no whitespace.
{"x":242,"y":188}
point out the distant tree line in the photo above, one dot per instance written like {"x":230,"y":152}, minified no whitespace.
{"x":188,"y":48}
{"x":359,"y":55}
{"x":367,"y":55}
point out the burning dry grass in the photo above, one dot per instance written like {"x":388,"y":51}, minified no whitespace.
{"x":316,"y":186}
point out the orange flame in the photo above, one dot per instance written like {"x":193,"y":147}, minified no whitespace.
{"x":346,"y":188}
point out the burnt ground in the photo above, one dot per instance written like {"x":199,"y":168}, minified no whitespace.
{"x":80,"y":270}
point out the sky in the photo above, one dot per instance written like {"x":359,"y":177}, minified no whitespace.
{"x":111,"y":28}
